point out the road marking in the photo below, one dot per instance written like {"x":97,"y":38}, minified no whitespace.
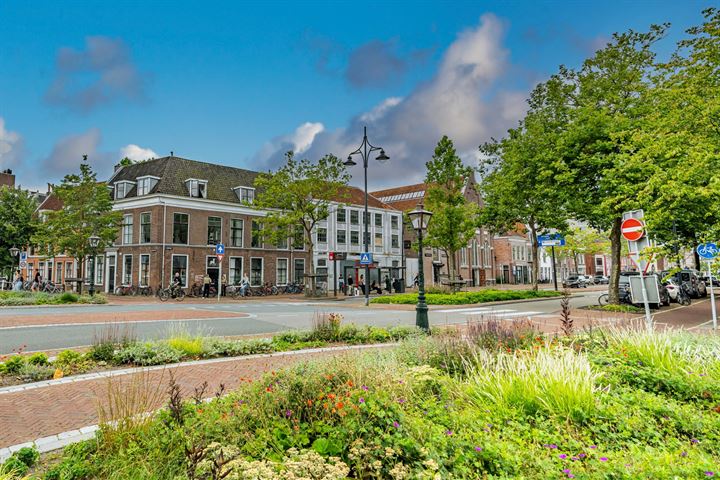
{"x":458,"y":310}
{"x":76,"y":324}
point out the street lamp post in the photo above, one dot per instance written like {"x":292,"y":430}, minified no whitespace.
{"x":364,"y":150}
{"x":420,"y":219}
{"x":14,"y":252}
{"x":94,"y":241}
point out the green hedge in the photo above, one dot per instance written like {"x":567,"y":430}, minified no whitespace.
{"x":464,"y":298}
{"x":14,"y":299}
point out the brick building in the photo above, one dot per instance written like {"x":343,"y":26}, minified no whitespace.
{"x":513,"y":257}
{"x":474,"y":262}
{"x":176,"y":210}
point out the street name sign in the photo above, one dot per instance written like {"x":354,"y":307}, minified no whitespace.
{"x":551,"y":240}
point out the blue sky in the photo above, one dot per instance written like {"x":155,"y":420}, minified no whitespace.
{"x":239,"y":83}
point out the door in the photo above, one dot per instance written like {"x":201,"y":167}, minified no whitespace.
{"x":213,"y":269}
{"x":111,"y":273}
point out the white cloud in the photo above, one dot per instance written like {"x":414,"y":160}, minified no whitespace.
{"x":466,"y":100}
{"x":11,"y":146}
{"x":304,"y":135}
{"x":67,"y":154}
{"x":137,"y":153}
{"x":298,"y":141}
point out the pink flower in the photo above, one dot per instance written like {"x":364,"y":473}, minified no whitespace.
{"x":603,"y":459}
{"x":478,"y":449}
{"x":563,"y":456}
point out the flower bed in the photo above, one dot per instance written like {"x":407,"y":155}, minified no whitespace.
{"x":13,"y":299}
{"x":619,"y":405}
{"x":117,"y":352}
{"x":463,"y":298}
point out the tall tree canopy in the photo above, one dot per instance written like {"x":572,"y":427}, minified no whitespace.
{"x":16,"y":223}
{"x":300,"y":194}
{"x":454,"y":218}
{"x":86,"y":211}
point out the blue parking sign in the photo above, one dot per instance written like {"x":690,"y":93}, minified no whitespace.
{"x":219,"y":249}
{"x":366,"y":258}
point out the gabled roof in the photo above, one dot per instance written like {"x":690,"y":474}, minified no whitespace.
{"x":51,"y":202}
{"x":174,"y":171}
{"x":356,"y":196}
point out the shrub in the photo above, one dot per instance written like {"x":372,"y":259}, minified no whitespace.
{"x":68,"y":297}
{"x":35,"y":373}
{"x":38,"y":358}
{"x":190,"y":347}
{"x":14,"y":467}
{"x":220,"y":347}
{"x":14,"y":364}
{"x":326,"y":327}
{"x":147,"y":353}
{"x":27,"y":455}
{"x":72,"y":362}
{"x":462,"y":298}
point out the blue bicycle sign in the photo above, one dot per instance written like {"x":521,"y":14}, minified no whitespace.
{"x":708,"y":251}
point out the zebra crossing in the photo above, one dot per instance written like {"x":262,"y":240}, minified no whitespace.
{"x":492,"y":312}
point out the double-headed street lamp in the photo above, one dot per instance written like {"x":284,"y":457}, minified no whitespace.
{"x":364,"y":150}
{"x":420,"y":219}
{"x":94,"y":241}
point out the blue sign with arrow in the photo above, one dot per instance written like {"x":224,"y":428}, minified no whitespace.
{"x":219,"y":249}
{"x":707,"y":251}
{"x":366,"y":258}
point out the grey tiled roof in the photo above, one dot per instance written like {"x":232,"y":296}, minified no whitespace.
{"x":173,"y":171}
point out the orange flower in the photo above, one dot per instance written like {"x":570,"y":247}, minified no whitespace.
{"x":339,"y":405}
{"x":349,"y":383}
{"x":309,"y":402}
{"x":331,"y":396}
{"x":268,"y":389}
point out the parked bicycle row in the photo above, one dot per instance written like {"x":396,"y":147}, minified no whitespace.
{"x":175,"y":291}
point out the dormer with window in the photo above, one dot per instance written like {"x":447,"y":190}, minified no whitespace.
{"x":245,"y":194}
{"x":196,"y":188}
{"x":146,"y":184}
{"x":122,"y":188}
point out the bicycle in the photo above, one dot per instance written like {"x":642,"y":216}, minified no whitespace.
{"x":624,"y":295}
{"x":171,"y":292}
{"x":146,"y":291}
{"x":123,"y":290}
{"x":52,"y":288}
{"x":683,"y":295}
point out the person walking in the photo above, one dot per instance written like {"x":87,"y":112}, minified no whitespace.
{"x":388,"y":285}
{"x":223,"y":283}
{"x":361,"y":284}
{"x":17,"y":286}
{"x":244,"y":285}
{"x":206,"y":285}
{"x":350,"y":285}
{"x":36,"y":281}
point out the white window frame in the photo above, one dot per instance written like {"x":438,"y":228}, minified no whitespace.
{"x":187,"y":267}
{"x":242,"y":269}
{"x":277,"y":270}
{"x":127,"y":184}
{"x":394,"y":222}
{"x":140,"y":264}
{"x":242,"y":233}
{"x":191,"y":183}
{"x":317,"y":235}
{"x":241,"y":192}
{"x":124,"y":272}
{"x":294,"y":273}
{"x":127,"y":226}
{"x":172,"y":232}
{"x":99,"y":269}
{"x":207,"y":232}
{"x":140,"y":230}
{"x":463,"y":257}
{"x":262,"y":271}
{"x":145,"y":184}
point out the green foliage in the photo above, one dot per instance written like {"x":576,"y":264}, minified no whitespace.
{"x":13,"y":364}
{"x":617,"y":308}
{"x":189,"y":347}
{"x":147,"y":353}
{"x":9,"y":298}
{"x":87,"y":210}
{"x":72,"y":362}
{"x":298,"y":195}
{"x":16,"y":222}
{"x":463,"y":298}
{"x":454,"y":219}
{"x":38,"y":358}
{"x":583,"y":241}
{"x":19,"y":463}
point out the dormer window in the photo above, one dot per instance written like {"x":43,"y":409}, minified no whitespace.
{"x":146,"y":184}
{"x":245,"y":194}
{"x":122,"y":189}
{"x":196,"y":188}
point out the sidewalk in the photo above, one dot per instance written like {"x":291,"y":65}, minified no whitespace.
{"x":61,"y":409}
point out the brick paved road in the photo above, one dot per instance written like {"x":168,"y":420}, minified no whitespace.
{"x":40,"y":412}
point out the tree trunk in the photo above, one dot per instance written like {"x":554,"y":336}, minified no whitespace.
{"x":615,"y":246}
{"x":452,"y":268}
{"x":311,"y":246}
{"x":80,"y":276}
{"x":535,"y":248}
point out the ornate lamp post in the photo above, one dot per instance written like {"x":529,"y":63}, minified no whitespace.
{"x":364,"y":150}
{"x":94,"y":241}
{"x":420,"y":219}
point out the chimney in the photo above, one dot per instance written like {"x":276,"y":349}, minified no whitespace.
{"x":50,"y":188}
{"x":7,"y":178}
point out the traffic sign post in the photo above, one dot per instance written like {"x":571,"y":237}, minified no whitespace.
{"x":632,"y":229}
{"x":366,"y":259}
{"x":219,"y":253}
{"x":552,"y":241}
{"x":708,"y":252}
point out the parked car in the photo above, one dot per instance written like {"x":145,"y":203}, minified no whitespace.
{"x":706,"y":279}
{"x":574,"y":281}
{"x":696,"y":287}
{"x":587,"y":279}
{"x":624,"y":286}
{"x":600,"y":279}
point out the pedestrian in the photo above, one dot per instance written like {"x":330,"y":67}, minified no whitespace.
{"x":36,"y":281}
{"x":223,"y":282}
{"x":18,"y":281}
{"x":375,"y":288}
{"x":244,"y":285}
{"x":206,"y":285}
{"x":351,"y":289}
{"x":388,"y":285}
{"x":341,"y":284}
{"x":361,"y":284}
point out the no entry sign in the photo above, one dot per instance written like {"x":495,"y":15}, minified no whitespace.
{"x":632,"y":229}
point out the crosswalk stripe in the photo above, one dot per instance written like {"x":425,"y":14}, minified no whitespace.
{"x":457,"y":310}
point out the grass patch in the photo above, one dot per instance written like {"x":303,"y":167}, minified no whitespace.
{"x":14,"y":299}
{"x":464,"y":298}
{"x":616,"y":308}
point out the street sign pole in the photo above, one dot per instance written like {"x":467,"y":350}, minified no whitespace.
{"x":554,"y":267}
{"x":335,"y":280}
{"x":219,"y":279}
{"x":712,"y":297}
{"x":648,"y":317}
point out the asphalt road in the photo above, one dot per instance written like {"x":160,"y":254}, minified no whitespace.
{"x":263,"y":317}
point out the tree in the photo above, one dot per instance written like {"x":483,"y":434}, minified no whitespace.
{"x":86,"y":211}
{"x":519,"y":185}
{"x":607,"y":107}
{"x":454,"y":218}
{"x":584,"y":241}
{"x":16,"y":223}
{"x":299,"y":194}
